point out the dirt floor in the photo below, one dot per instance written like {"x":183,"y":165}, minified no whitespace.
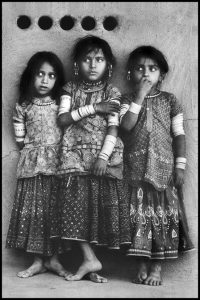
{"x":180,"y":279}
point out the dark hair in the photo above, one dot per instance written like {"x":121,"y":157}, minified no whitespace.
{"x":33,"y":66}
{"x":148,"y":52}
{"x":91,"y":43}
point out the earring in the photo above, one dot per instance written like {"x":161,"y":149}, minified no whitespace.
{"x":129,"y":75}
{"x":110,"y":71}
{"x":76,"y":69}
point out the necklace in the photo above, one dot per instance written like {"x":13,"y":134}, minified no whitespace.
{"x":43,"y":102}
{"x":152,"y":96}
{"x":92,"y":83}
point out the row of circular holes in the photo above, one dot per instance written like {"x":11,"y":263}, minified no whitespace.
{"x":67,"y":22}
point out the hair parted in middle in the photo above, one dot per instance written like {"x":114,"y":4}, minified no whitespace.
{"x":93,"y":43}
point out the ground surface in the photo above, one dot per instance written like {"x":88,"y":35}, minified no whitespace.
{"x":179,"y":276}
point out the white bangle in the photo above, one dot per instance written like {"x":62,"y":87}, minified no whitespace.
{"x":181,"y":163}
{"x":177,"y":125}
{"x":20,"y":131}
{"x":108,"y":146}
{"x":65,"y":104}
{"x":135,"y":108}
{"x":83,"y":112}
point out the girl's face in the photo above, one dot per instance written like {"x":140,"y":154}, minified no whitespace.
{"x":146,"y":68}
{"x":93,"y":66}
{"x":44,"y":80}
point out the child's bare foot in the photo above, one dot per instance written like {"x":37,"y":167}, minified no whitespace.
{"x":86,"y":267}
{"x":55,"y":266}
{"x":96,"y":278}
{"x":142,"y":274}
{"x":36,"y":268}
{"x":154,"y":277}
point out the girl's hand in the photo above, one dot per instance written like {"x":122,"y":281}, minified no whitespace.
{"x":107,"y":107}
{"x":143,"y":87}
{"x":99,"y":168}
{"x":179,"y":177}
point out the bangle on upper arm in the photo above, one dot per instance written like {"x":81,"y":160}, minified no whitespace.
{"x":135,"y":108}
{"x":180,"y":163}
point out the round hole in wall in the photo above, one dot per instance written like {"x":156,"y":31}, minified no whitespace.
{"x":23,"y":22}
{"x":110,"y":23}
{"x":67,"y":23}
{"x":45,"y":22}
{"x":88,"y":23}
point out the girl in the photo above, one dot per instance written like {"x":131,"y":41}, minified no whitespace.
{"x":154,"y":164}
{"x":38,"y":137}
{"x":93,"y":207}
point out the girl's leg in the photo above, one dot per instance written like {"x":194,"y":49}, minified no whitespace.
{"x":90,"y":264}
{"x":36,"y":268}
{"x":53,"y":265}
{"x":142,"y":271}
{"x":154,"y":276}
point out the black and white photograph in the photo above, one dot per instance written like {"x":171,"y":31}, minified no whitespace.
{"x":99,"y":149}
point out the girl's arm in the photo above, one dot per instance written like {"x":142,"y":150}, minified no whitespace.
{"x":65,"y":117}
{"x":19,"y":125}
{"x":179,"y":148}
{"x":106,"y":151}
{"x":129,"y":114}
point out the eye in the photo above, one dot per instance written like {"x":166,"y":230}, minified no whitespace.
{"x":100,"y":59}
{"x":87,"y":60}
{"x":40,"y":74}
{"x":52,"y":75}
{"x":138,"y":68}
{"x":153,"y":68}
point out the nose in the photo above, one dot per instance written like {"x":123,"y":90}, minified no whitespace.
{"x":92,"y":63}
{"x":45,"y":79}
{"x":145,"y":72}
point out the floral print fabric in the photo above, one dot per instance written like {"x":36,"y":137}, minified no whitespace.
{"x":42,"y":139}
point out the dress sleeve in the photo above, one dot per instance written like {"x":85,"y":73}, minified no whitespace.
{"x":65,"y":99}
{"x":19,"y":122}
{"x":114,"y":96}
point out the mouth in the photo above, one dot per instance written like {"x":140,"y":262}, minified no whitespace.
{"x":43,"y":88}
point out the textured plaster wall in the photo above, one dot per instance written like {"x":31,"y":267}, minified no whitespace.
{"x":170,"y":26}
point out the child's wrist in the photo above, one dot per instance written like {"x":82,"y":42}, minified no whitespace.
{"x":180,"y":163}
{"x":134,"y":108}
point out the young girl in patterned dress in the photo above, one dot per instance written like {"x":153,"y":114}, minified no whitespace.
{"x":154,"y":158}
{"x":38,"y":137}
{"x":92,"y":205}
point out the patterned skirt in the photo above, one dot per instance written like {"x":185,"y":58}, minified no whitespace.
{"x":92,"y":209}
{"x":29,"y":227}
{"x":158,"y":221}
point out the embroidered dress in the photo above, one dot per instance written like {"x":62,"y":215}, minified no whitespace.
{"x":93,"y":209}
{"x":29,"y":227}
{"x":158,"y":221}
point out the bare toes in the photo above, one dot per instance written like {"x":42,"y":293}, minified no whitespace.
{"x":97,"y":278}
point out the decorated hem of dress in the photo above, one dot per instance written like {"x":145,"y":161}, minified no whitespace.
{"x":169,"y":254}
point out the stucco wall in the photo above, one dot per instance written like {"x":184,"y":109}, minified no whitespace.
{"x":170,"y":26}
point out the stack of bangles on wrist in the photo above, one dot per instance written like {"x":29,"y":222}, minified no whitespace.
{"x":83,"y":112}
{"x":108,"y":147}
{"x":134,"y":108}
{"x":180,"y":163}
